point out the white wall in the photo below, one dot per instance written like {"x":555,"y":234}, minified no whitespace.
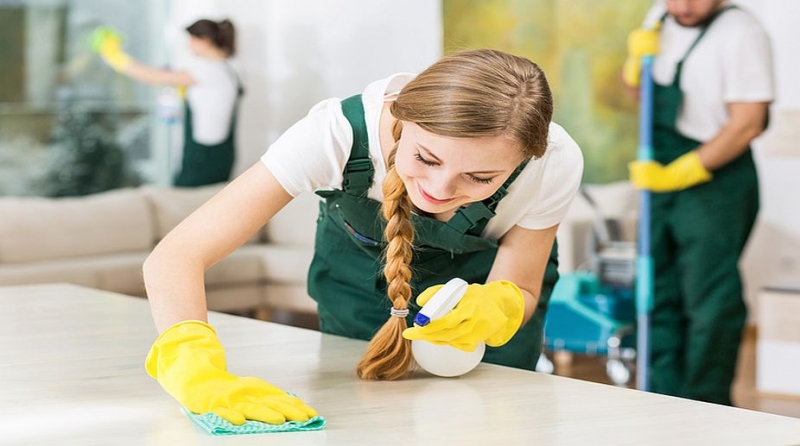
{"x":296,"y":53}
{"x":772,"y":257}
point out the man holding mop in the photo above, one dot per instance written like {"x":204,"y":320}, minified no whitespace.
{"x":712,"y":88}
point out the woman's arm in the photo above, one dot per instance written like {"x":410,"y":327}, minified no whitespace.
{"x":157,"y":76}
{"x":522,"y":259}
{"x":108,"y":44}
{"x":174,"y":271}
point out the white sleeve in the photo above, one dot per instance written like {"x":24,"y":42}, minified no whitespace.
{"x":312,"y":153}
{"x":198,"y":71}
{"x":747,"y":60}
{"x":654,"y":14}
{"x":561,"y":178}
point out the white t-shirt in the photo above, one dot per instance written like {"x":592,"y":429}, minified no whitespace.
{"x":311,"y":155}
{"x":212,"y":99}
{"x":731,"y":63}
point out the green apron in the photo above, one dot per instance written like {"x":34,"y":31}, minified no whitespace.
{"x":346,"y":276}
{"x":698,"y":235}
{"x":208,"y":164}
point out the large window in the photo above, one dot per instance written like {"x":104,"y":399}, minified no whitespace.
{"x":69,"y":125}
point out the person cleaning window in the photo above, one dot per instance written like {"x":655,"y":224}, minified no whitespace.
{"x":455,"y":172}
{"x":712,"y":88}
{"x":213,"y":91}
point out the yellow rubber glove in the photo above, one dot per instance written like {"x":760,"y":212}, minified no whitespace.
{"x":641,"y":42}
{"x":489,"y":313}
{"x":189,"y":363}
{"x":684,"y":172}
{"x":108,"y":43}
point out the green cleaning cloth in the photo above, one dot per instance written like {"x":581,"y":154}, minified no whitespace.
{"x":215,"y":425}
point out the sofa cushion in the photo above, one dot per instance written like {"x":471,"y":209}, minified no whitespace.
{"x":288,"y":297}
{"x":245,"y":297}
{"x":172,"y":205}
{"x":120,"y":273}
{"x":58,"y":271}
{"x":296,"y":223}
{"x":241,"y":266}
{"x":36,"y":228}
{"x":286,"y":264}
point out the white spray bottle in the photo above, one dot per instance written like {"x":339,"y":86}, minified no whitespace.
{"x":443,"y":360}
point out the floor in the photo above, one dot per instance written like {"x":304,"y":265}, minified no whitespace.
{"x":592,"y":368}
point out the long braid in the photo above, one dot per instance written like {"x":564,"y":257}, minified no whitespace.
{"x":479,"y":93}
{"x":388,"y":356}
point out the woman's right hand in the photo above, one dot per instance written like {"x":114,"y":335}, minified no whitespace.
{"x":189,"y":362}
{"x":490,"y":313}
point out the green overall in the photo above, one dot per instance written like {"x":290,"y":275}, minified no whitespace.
{"x":346,"y":276}
{"x":207,"y":164}
{"x":697,"y":237}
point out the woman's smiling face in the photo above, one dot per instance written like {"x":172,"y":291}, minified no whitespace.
{"x":444,"y":173}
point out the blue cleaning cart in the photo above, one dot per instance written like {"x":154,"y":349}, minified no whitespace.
{"x":593,"y":310}
{"x":589,"y":317}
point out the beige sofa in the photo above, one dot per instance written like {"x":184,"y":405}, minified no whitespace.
{"x":101,"y":240}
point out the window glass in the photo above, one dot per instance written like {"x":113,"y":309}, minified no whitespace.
{"x":69,"y":124}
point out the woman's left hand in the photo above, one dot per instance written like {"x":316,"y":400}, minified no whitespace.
{"x":490,"y":313}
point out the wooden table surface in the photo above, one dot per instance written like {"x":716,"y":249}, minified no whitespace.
{"x":72,"y":373}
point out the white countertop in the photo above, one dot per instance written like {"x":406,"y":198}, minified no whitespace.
{"x":71,"y":372}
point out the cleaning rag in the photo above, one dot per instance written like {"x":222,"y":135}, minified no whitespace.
{"x":215,"y":425}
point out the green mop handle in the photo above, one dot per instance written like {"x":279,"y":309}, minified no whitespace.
{"x":644,"y":260}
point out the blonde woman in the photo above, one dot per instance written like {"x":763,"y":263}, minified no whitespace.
{"x":213,"y":92}
{"x":455,"y":172}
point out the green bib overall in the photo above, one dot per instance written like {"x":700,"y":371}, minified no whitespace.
{"x":346,"y":276}
{"x":207,"y":164}
{"x":697,"y":238}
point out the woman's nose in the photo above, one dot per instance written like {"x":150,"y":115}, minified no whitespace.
{"x":443,"y":186}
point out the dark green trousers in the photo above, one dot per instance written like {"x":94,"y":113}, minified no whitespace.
{"x":698,"y":235}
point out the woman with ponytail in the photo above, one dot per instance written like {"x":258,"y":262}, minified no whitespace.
{"x":455,"y":172}
{"x":212,"y":89}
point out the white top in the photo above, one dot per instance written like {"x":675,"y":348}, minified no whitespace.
{"x":73,"y":374}
{"x":212,"y":99}
{"x":731,"y":63}
{"x":311,"y":155}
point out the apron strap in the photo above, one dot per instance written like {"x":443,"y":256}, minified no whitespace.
{"x":235,"y":76}
{"x":679,"y":68}
{"x":473,"y":219}
{"x":358,"y":172}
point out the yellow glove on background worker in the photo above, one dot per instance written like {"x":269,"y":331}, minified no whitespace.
{"x":641,"y":42}
{"x":686,"y":171}
{"x":490,"y":313}
{"x":189,"y":362}
{"x":108,"y":44}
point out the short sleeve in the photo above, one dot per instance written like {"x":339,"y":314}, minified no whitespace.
{"x":748,"y":75}
{"x":654,"y":14}
{"x":560,"y":179}
{"x":200,"y":72}
{"x":312,"y":153}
